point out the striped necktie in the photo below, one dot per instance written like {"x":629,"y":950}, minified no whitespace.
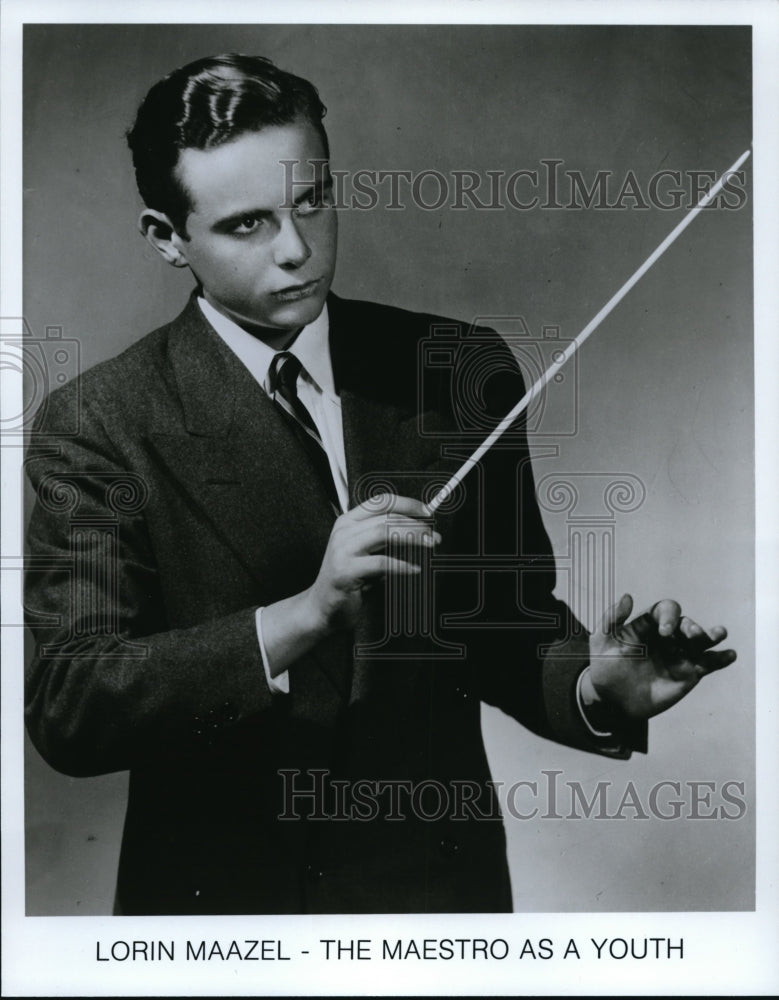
{"x":282,"y":379}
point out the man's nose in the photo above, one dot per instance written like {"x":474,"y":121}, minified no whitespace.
{"x":289,"y":248}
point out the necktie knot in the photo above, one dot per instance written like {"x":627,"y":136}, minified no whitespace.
{"x":284,"y":371}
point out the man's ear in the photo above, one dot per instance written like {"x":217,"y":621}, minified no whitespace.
{"x":160,"y":232}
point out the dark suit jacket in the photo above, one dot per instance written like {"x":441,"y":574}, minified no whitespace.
{"x":183,"y":502}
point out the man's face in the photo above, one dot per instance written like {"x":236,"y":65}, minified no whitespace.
{"x":262,"y":264}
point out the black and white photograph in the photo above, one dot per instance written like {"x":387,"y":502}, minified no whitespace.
{"x":386,"y":567}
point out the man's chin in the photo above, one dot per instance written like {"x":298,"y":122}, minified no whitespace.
{"x":278,"y":318}
{"x":293,"y":315}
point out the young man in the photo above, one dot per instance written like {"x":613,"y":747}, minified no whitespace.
{"x":237,"y":590}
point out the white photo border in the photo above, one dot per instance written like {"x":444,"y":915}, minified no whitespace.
{"x":729,"y":953}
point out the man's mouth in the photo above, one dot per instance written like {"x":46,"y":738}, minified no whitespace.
{"x":294,"y":292}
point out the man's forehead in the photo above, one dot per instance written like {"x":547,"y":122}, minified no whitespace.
{"x":263,"y":166}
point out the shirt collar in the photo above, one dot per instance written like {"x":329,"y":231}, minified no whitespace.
{"x":311,"y":347}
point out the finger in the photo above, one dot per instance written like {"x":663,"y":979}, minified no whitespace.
{"x":386,"y":503}
{"x":377,"y":533}
{"x":399,"y":538}
{"x":376,"y":566}
{"x":717,"y":633}
{"x":690,"y":630}
{"x":644,"y":627}
{"x":713,"y":636}
{"x":698,"y":637}
{"x":715,"y":660}
{"x":396,"y":524}
{"x":617,"y":614}
{"x":666,"y":614}
{"x":691,"y":636}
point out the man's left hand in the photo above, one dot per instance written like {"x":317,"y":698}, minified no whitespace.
{"x":642,"y":667}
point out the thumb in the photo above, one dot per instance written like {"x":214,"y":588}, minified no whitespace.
{"x":617,"y":614}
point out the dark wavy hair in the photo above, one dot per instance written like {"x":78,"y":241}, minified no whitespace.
{"x":203,"y":105}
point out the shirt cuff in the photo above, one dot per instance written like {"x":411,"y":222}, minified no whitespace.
{"x":280,"y":683}
{"x":579,"y":702}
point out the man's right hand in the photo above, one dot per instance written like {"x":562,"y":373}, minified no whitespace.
{"x":382,"y":537}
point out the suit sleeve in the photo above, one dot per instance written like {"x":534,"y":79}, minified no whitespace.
{"x":530,"y":665}
{"x":109,"y":685}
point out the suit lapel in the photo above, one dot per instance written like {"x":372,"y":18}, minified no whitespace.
{"x":240,"y":463}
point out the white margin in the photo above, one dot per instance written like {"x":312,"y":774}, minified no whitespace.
{"x":737,"y":952}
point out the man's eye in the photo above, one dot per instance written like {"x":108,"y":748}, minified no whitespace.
{"x":247,"y":225}
{"x":314,"y":202}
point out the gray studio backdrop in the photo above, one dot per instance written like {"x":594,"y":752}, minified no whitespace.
{"x":661,"y":397}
